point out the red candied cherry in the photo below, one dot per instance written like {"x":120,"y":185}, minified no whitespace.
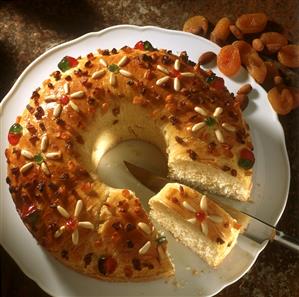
{"x":246,"y":159}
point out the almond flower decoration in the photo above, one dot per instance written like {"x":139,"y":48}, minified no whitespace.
{"x":202,"y":215}
{"x":212,"y":121}
{"x":113,"y":69}
{"x":72,"y":224}
{"x":64,"y":100}
{"x":40,"y":158}
{"x":174,"y":74}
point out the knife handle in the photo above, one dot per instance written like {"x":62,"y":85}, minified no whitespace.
{"x":287,"y":240}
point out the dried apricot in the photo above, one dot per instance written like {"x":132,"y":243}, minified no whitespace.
{"x":236,"y":31}
{"x":289,"y":55}
{"x":197,"y":25}
{"x":228,"y":60}
{"x":273,"y":41}
{"x":252,"y":22}
{"x":251,"y":60}
{"x":282,"y":102}
{"x":245,"y":49}
{"x":221,"y":31}
{"x":257,"y":68}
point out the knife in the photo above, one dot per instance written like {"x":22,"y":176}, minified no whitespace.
{"x":253,"y":228}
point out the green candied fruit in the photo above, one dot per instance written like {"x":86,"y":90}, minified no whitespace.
{"x":113,"y":68}
{"x":38,"y":159}
{"x":16,"y":129}
{"x":245,"y":163}
{"x":161,"y":239}
{"x":148,"y":46}
{"x":64,"y":65}
{"x":210,"y":121}
{"x":210,"y":78}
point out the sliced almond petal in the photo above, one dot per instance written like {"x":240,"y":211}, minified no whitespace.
{"x":66,"y":88}
{"x":192,"y":220}
{"x":59,"y":232}
{"x":198,"y":126}
{"x":163,"y":69}
{"x":188,"y":206}
{"x":77,"y":95}
{"x":112,"y":79}
{"x":27,"y":154}
{"x":63,"y":211}
{"x":162,"y":80}
{"x":57,"y":110}
{"x":45,"y":169}
{"x":26,"y":167}
{"x":215,"y":219}
{"x":98,"y":74}
{"x":53,"y":155}
{"x":144,"y":249}
{"x":176,"y":84}
{"x":177,"y":64}
{"x":78,"y":208}
{"x":125,"y":73}
{"x":122,"y":61}
{"x":204,"y":228}
{"x":218,"y":111}
{"x":203,"y":203}
{"x":144,"y":227}
{"x":44,"y":143}
{"x":219,"y":135}
{"x":75,"y":237}
{"x":74,"y":106}
{"x":200,"y":111}
{"x":86,"y":225}
{"x":103,"y":62}
{"x":187,"y":74}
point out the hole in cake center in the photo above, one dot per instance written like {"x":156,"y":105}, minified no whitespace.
{"x":113,"y":172}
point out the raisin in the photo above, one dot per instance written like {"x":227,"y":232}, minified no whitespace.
{"x":65,"y":254}
{"x":136,"y":264}
{"x":192,"y":154}
{"x":87,"y":259}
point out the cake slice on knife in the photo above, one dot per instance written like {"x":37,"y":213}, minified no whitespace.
{"x":196,"y":221}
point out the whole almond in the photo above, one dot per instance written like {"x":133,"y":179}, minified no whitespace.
{"x":245,"y":89}
{"x":257,"y":44}
{"x":242,"y":100}
{"x":278,"y":80}
{"x":206,"y":58}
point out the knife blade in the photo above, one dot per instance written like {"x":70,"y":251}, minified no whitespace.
{"x":253,"y":228}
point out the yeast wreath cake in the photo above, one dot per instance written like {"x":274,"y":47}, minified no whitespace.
{"x":90,"y":105}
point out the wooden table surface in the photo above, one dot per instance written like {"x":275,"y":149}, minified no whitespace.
{"x":29,"y":28}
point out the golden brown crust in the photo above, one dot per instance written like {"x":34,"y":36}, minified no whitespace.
{"x":45,"y":168}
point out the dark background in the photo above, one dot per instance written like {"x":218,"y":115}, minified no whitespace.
{"x":29,"y":28}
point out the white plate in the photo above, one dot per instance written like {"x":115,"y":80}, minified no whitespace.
{"x":271,"y":178}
